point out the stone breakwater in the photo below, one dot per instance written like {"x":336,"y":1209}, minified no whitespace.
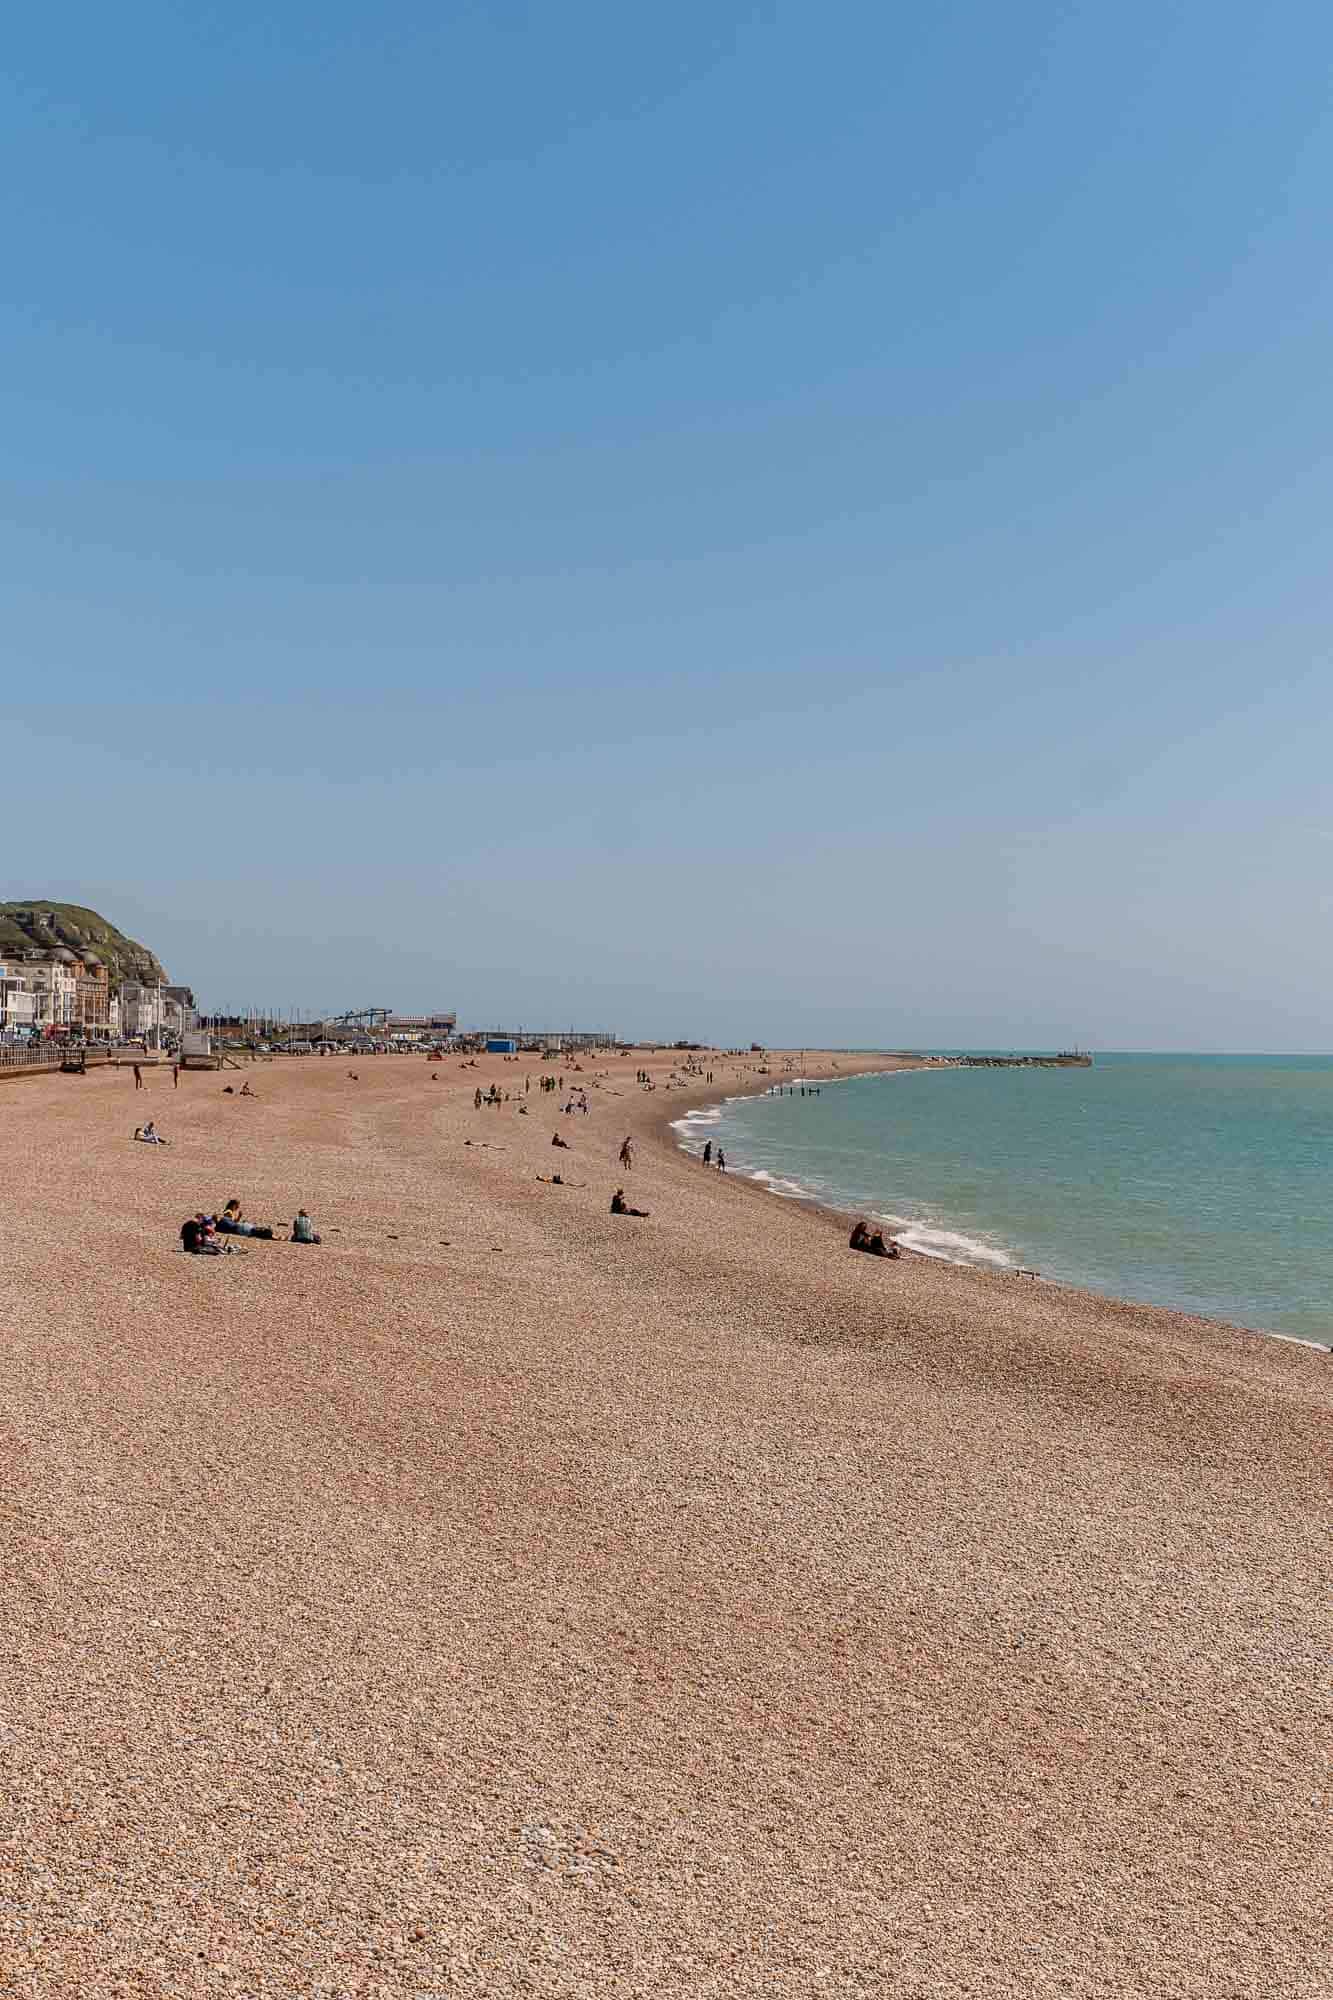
{"x":510,"y":1598}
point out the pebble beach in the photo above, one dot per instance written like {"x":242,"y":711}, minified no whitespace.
{"x":504,"y":1597}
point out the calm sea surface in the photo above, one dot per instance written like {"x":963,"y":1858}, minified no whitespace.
{"x":1199,"y":1182}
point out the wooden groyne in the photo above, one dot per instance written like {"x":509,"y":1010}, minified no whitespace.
{"x":1067,"y":1059}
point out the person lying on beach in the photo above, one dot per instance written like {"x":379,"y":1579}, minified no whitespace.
{"x":303,"y":1229}
{"x":558,"y":1180}
{"x":619,"y":1206}
{"x":232,"y":1223}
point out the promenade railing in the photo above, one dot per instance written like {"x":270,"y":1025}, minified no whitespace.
{"x":45,"y":1055}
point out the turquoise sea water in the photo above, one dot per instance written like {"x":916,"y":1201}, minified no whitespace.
{"x":1198,"y":1182}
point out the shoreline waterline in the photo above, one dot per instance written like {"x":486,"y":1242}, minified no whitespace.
{"x":934,"y":1241}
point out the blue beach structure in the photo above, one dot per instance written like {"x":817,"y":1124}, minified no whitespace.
{"x":499,"y":1046}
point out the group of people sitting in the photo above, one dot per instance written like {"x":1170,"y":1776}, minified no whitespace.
{"x":200,"y":1234}
{"x":873,"y":1245}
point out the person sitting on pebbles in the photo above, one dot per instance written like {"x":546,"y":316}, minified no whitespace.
{"x":303,"y":1229}
{"x":873,"y":1245}
{"x":197,"y":1238}
{"x":619,"y":1205}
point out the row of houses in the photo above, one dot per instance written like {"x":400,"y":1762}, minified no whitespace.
{"x":59,"y":991}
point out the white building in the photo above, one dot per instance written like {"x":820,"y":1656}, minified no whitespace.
{"x":53,"y":980}
{"x":17,"y":1001}
{"x":183,"y":998}
{"x":140,"y":1009}
{"x":149,"y":1011}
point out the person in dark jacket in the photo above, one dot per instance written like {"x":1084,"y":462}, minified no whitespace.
{"x":197,"y":1239}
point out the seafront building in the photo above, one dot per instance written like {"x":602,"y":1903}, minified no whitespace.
{"x":52,"y":979}
{"x":555,"y":1039}
{"x":149,"y":1011}
{"x":17,"y":999}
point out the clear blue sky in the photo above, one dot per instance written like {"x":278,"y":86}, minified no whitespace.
{"x":805,"y":522}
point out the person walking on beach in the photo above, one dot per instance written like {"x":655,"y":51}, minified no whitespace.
{"x":721,"y":1161}
{"x":138,"y":1079}
{"x":175,"y":1076}
{"x":627,"y":1151}
{"x":708,"y":1152}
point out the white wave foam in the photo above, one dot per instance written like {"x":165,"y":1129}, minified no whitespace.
{"x":776,"y":1184}
{"x":950,"y":1246}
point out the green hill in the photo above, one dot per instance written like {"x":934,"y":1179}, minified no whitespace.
{"x":34,"y":920}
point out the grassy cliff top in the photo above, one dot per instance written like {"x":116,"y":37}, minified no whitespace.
{"x":36,"y":920}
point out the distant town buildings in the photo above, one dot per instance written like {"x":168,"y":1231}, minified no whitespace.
{"x":59,"y":991}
